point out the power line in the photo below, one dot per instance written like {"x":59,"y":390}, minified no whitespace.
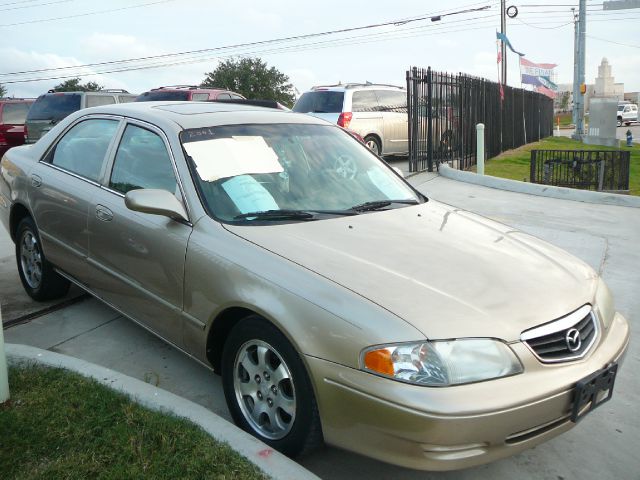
{"x":613,"y":41}
{"x":247,"y":44}
{"x":97,"y":12}
{"x":32,"y":6}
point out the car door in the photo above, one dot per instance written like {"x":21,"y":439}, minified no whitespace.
{"x":367,"y":118}
{"x":138,"y":258}
{"x":62,"y":185}
{"x":393,"y":105}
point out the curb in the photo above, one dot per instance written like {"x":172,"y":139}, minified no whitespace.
{"x":541,"y":190}
{"x":271,"y":462}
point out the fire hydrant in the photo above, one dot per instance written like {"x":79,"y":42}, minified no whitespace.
{"x":629,"y":138}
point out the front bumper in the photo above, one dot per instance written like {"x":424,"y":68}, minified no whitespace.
{"x":455,"y":427}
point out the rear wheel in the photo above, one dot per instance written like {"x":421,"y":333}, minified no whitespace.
{"x":39,"y":279}
{"x":267,"y":388}
{"x":373,"y":144}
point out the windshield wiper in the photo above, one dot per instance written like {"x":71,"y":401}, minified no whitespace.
{"x":377,"y":204}
{"x":277,"y":215}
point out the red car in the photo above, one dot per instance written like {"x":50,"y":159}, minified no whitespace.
{"x":187,"y":92}
{"x":13,"y":112}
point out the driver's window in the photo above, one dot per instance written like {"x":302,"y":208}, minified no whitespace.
{"x":142,"y":161}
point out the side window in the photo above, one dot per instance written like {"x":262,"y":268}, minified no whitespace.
{"x":223,"y":96}
{"x":200,"y":97}
{"x":392,"y":101}
{"x":364,"y":101}
{"x":236,"y":97}
{"x":83,"y":148}
{"x":142,"y":161}
{"x":98,"y":100}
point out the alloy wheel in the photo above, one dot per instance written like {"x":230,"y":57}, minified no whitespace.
{"x":264,"y":389}
{"x":31,"y":259}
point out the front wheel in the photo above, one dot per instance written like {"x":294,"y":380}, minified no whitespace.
{"x":39,"y":279}
{"x":619,"y":121}
{"x":267,"y":388}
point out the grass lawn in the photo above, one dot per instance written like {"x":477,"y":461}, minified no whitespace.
{"x":59,"y":424}
{"x":514,"y":164}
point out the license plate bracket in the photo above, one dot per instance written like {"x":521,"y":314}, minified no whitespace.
{"x":593,"y":390}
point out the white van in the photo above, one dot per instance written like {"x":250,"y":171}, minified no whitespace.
{"x":377,"y":112}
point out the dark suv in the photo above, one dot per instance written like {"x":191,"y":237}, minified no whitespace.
{"x":52,"y":107}
{"x":187,"y":92}
{"x":13,"y":113}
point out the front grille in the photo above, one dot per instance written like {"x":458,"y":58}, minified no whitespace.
{"x":568,"y":338}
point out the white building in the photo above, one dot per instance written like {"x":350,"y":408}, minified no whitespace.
{"x":605,"y":85}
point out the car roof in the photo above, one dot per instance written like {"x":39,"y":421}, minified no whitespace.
{"x":355,"y":86}
{"x":182,"y":88}
{"x":17,"y":100}
{"x":187,"y":114}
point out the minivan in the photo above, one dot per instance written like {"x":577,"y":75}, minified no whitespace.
{"x":377,"y":112}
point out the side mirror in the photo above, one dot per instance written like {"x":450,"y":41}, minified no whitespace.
{"x":155,"y":202}
{"x":398,"y":171}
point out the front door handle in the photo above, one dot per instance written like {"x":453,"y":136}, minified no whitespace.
{"x":103,"y":213}
{"x":36,"y":181}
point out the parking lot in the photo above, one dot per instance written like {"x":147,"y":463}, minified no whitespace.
{"x":602,"y":446}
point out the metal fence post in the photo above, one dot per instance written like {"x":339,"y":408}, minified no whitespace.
{"x":480,"y":148}
{"x":4,"y":374}
{"x":429,"y":122}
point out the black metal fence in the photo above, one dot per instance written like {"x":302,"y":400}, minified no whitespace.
{"x":444,"y":110}
{"x":586,"y":169}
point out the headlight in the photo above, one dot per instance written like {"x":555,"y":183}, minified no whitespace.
{"x":442,"y":363}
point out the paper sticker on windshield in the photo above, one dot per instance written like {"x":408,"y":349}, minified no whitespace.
{"x":387,"y":184}
{"x":227,"y":157}
{"x":248,"y":195}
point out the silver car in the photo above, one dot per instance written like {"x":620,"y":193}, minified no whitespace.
{"x":378,"y":113}
{"x":280,"y":252}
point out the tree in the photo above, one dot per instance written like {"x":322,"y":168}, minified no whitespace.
{"x":73,"y":85}
{"x":564,"y":101}
{"x":252,"y":78}
{"x":3,"y":91}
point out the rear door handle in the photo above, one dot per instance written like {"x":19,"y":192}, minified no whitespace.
{"x":36,"y":181}
{"x":103,"y":213}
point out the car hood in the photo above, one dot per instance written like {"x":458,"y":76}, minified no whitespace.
{"x":448,"y":272}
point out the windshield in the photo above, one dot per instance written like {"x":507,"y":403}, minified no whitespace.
{"x":54,"y":106}
{"x":324,"y":101}
{"x":289,"y":170}
{"x":161,"y":95}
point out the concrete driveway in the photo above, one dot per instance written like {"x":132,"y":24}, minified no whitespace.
{"x":603,"y":446}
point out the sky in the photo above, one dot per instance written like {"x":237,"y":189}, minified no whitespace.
{"x":45,"y":34}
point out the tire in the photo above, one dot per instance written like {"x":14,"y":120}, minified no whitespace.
{"x":39,"y":279}
{"x":267,"y":388}
{"x":373,"y":144}
{"x":619,"y":121}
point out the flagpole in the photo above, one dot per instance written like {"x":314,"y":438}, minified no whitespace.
{"x":503,"y":30}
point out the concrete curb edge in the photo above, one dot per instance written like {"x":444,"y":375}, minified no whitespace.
{"x":540,"y":190}
{"x":271,"y":462}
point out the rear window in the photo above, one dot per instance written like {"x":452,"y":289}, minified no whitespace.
{"x":320,"y":102}
{"x":15,"y":113}
{"x":99,"y":100}
{"x":162,"y":96}
{"x":54,"y":106}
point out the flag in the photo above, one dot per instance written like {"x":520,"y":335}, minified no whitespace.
{"x":538,"y":75}
{"x":546,"y":91}
{"x":502,"y":37}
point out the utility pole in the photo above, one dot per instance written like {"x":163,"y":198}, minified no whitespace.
{"x":503,"y":46}
{"x":579,"y":87}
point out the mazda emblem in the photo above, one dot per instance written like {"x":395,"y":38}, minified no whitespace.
{"x":573,"y":340}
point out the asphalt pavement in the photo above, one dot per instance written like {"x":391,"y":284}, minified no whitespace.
{"x":603,"y":446}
